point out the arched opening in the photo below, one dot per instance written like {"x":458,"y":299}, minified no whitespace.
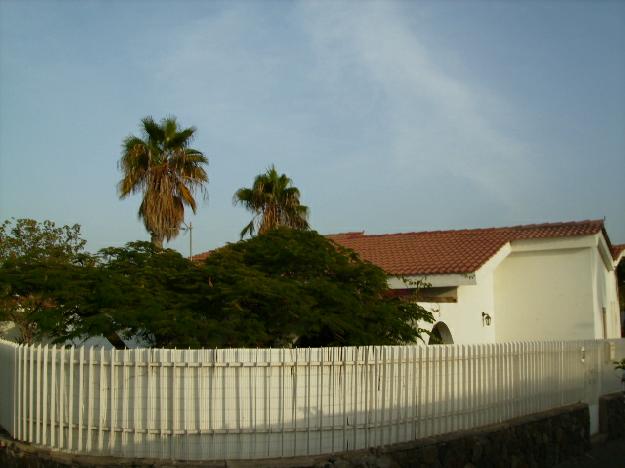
{"x":440,"y":334}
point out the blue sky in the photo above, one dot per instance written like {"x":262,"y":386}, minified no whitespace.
{"x":389,"y":117}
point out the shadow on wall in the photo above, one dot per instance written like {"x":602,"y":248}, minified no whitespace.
{"x":357,"y":430}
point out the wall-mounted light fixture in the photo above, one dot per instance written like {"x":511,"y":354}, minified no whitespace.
{"x":486,"y":319}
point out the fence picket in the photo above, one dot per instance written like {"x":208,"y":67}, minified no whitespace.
{"x":31,"y":405}
{"x":90,"y":401}
{"x":38,"y":397}
{"x":452,"y":395}
{"x":44,"y":416}
{"x":53,"y":398}
{"x":440,"y":406}
{"x":530,"y":381}
{"x":81,"y":396}
{"x":20,"y":393}
{"x":416,"y":383}
{"x":479,"y":390}
{"x":70,"y":400}
{"x":61,"y":441}
{"x":368,"y":385}
{"x":102,"y":403}
{"x":249,"y":404}
{"x":429,"y":390}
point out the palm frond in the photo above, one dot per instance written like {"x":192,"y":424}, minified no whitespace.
{"x":153,"y":131}
{"x":274,"y":203}
{"x":181,"y":139}
{"x":166,"y":171}
{"x":249,"y":229}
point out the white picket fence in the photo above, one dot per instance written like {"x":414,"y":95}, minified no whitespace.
{"x":255,"y":403}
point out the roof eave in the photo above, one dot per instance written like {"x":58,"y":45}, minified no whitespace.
{"x":431,"y":280}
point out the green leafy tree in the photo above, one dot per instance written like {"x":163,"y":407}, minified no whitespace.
{"x":39,"y":267}
{"x":138,"y":291}
{"x":274,"y":202}
{"x":297,"y":288}
{"x":285,"y":288}
{"x":150,"y":293}
{"x":166,"y":171}
{"x":36,"y":241}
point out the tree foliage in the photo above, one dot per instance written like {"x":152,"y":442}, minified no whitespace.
{"x":40,"y":241}
{"x":166,"y":171}
{"x":292,"y":287}
{"x":274,"y":202}
{"x":146,"y":292}
{"x":285,"y":288}
{"x":41,"y":267}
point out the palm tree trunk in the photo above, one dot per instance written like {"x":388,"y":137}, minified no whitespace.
{"x":116,"y":341}
{"x":157,"y":241}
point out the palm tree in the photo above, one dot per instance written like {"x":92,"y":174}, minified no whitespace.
{"x":274,"y":202}
{"x":162,"y":167}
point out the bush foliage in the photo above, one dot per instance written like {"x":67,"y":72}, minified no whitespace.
{"x":281,"y":289}
{"x":291,"y":287}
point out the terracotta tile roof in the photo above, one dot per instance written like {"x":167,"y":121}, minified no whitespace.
{"x":617,"y":250}
{"x":444,"y":252}
{"x":201,"y":256}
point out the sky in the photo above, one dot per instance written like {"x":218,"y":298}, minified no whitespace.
{"x":388,"y":116}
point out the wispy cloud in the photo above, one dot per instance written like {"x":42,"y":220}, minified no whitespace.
{"x":434,"y":119}
{"x":359,"y":96}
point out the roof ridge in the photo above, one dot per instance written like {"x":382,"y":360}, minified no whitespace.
{"x":346,"y":234}
{"x":455,"y":251}
{"x":617,"y":250}
{"x":493,"y":228}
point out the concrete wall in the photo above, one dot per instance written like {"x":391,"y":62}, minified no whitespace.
{"x":540,"y":440}
{"x":556,"y":289}
{"x":605,"y":296}
{"x":545,"y":295}
{"x":464,"y":317}
{"x":534,"y":289}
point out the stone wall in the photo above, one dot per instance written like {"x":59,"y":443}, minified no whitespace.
{"x":539,"y":440}
{"x":612,"y":415}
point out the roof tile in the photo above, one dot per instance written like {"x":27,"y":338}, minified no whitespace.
{"x":617,"y":250}
{"x":445,"y":252}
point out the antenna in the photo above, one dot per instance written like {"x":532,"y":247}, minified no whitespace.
{"x":189,"y":228}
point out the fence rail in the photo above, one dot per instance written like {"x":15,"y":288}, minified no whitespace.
{"x":254,"y":403}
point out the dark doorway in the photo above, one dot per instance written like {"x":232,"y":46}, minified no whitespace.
{"x":441,"y":334}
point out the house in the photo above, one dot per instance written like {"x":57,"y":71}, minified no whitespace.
{"x":554,"y":281}
{"x":618,"y":253}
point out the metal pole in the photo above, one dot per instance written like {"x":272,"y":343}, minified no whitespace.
{"x":190,"y":241}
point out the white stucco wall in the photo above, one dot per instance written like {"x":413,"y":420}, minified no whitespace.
{"x":533,"y":289}
{"x":545,"y":294}
{"x":475,"y":295}
{"x":604,"y":293}
{"x":464,"y":318}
